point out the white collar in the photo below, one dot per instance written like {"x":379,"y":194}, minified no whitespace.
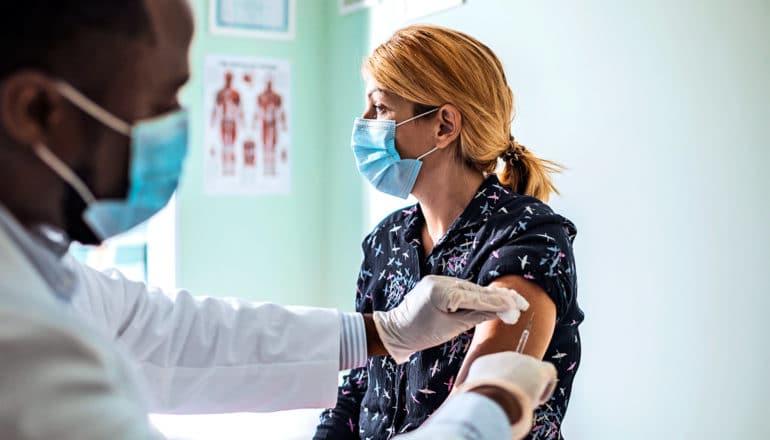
{"x":44,"y":247}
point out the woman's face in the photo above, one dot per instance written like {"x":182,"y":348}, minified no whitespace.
{"x":414,"y":138}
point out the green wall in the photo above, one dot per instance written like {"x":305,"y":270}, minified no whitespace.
{"x":301,"y":248}
{"x":347,"y":44}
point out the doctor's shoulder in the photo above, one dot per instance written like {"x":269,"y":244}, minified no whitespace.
{"x":56,"y":382}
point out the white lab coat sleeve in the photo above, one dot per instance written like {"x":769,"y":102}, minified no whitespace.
{"x":207,"y":355}
{"x":56,"y":385}
{"x":466,"y":416}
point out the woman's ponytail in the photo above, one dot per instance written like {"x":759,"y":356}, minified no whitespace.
{"x":528,"y":174}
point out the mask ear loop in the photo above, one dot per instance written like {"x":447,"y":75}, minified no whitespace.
{"x":418,"y":116}
{"x":97,"y":112}
{"x":93,"y":109}
{"x":64,"y":172}
{"x":429,"y":152}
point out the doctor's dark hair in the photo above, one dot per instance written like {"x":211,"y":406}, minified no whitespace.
{"x":42,"y":34}
{"x":431,"y":66}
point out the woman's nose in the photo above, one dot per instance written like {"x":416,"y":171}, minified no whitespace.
{"x":368,"y":114}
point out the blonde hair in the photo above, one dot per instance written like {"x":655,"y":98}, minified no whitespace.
{"x":431,"y":66}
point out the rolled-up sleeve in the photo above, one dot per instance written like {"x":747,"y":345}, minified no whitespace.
{"x":540,"y":250}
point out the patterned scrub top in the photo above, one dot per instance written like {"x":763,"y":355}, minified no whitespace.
{"x":499,"y":233}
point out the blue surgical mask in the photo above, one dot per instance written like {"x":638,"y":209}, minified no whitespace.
{"x":158,"y":150}
{"x":374,"y":145}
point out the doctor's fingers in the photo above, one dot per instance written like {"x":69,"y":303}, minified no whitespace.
{"x":472,"y":318}
{"x":490,"y":299}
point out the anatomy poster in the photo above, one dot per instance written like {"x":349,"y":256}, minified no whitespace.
{"x":248,"y":121}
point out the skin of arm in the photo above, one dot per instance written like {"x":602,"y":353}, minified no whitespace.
{"x":496,"y":336}
{"x":374,"y":345}
{"x":503,"y":398}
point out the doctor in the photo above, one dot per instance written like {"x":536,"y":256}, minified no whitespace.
{"x":92,"y":141}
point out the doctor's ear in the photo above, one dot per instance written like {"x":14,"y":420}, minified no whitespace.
{"x":450,"y":122}
{"x":29,"y":107}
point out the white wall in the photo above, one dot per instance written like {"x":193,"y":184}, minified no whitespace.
{"x":661,"y":110}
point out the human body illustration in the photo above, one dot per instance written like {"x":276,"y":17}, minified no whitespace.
{"x":228,"y":110}
{"x":269,"y":112}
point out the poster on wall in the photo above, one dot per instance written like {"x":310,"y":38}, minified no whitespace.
{"x":248,"y":120}
{"x":252,"y":18}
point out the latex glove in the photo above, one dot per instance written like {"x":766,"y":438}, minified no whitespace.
{"x":440,"y":308}
{"x":530,"y":382}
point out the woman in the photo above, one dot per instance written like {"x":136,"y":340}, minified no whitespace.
{"x":437,"y":127}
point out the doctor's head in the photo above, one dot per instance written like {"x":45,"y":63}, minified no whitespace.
{"x":75,"y":78}
{"x":457,"y":89}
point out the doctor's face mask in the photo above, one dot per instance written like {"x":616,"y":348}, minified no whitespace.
{"x":158,"y":147}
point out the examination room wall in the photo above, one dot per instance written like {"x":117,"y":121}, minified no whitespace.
{"x":347,"y":43}
{"x":291,"y":248}
{"x":659,"y":109}
{"x":661,"y":112}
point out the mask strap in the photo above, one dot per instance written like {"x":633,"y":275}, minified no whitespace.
{"x":93,"y":109}
{"x":418,"y":116}
{"x":64,"y":172}
{"x":429,"y":152}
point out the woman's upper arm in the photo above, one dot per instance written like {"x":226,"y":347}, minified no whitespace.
{"x":496,"y":336}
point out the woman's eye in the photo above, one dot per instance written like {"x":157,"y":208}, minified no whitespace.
{"x":379,"y":109}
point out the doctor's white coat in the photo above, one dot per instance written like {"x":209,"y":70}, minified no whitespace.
{"x":67,"y":369}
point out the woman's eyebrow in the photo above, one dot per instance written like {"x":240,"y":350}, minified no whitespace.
{"x":377,"y":90}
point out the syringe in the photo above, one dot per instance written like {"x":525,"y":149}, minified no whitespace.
{"x":524,"y":336}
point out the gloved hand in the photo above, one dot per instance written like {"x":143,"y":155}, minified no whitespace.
{"x":529,"y":381}
{"x":440,"y":308}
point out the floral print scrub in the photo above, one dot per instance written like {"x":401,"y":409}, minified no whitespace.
{"x":499,"y":233}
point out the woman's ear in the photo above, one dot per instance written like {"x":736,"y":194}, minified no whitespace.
{"x":450,"y":122}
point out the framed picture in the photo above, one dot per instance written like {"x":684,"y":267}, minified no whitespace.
{"x":273,"y":19}
{"x":348,"y":6}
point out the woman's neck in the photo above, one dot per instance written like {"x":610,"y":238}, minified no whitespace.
{"x":444,"y":193}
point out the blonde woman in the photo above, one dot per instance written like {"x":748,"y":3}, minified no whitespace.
{"x":438,"y":123}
